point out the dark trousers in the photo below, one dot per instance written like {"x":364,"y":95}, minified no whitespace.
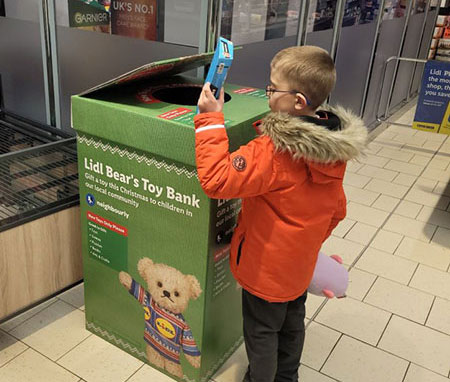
{"x":274,"y":334}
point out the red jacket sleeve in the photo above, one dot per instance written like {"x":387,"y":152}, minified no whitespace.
{"x":249,"y":171}
{"x":339,"y":215}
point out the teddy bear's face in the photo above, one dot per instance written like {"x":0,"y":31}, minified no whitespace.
{"x":170,"y":288}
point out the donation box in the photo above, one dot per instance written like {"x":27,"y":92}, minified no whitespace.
{"x":155,"y":247}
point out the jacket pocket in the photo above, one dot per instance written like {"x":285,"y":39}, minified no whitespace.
{"x":238,"y":259}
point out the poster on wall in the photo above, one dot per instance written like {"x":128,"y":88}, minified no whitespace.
{"x":433,"y":107}
{"x":321,"y":16}
{"x":360,"y":12}
{"x":136,"y":19}
{"x":131,"y":18}
{"x":89,"y":15}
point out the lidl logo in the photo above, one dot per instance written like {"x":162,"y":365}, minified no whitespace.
{"x":165,"y":328}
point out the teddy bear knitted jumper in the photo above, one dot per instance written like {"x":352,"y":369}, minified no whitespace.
{"x":165,"y":331}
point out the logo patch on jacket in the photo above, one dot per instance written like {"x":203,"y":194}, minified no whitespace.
{"x":239,"y":163}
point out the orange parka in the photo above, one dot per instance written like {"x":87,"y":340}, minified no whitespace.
{"x":290,"y":182}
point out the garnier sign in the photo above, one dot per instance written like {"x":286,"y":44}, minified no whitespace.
{"x":84,"y":14}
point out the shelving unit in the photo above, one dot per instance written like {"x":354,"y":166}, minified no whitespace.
{"x":40,"y":240}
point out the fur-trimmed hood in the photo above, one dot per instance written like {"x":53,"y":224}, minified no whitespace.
{"x":314,"y":142}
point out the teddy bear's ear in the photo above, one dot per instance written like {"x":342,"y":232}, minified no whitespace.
{"x":143,"y":265}
{"x":196,"y":290}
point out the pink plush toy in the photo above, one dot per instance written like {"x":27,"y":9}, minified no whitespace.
{"x":330,"y":277}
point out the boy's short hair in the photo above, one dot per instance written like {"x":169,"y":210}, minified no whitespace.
{"x":309,"y":69}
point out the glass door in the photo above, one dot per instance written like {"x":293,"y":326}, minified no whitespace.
{"x":262,"y":27}
{"x":21,"y":62}
{"x":355,"y":51}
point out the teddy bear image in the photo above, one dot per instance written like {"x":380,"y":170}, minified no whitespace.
{"x":165,"y":299}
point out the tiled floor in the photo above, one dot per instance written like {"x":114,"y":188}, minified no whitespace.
{"x":394,"y":326}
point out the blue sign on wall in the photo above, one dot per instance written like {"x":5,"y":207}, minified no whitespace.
{"x":432,"y":113}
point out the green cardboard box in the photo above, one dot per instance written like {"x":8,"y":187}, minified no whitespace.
{"x":155,"y":247}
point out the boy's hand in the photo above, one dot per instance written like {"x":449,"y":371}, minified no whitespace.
{"x":207,"y":102}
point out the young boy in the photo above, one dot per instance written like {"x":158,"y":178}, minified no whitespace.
{"x":290,"y":182}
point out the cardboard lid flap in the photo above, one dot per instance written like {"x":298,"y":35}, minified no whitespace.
{"x":155,"y":69}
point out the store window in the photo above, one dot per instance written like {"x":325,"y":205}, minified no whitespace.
{"x":20,"y":9}
{"x":172,"y":21}
{"x":321,"y":15}
{"x":418,"y":6}
{"x":394,"y":9}
{"x":21,"y":62}
{"x":141,"y":19}
{"x":360,"y":12}
{"x":248,"y":21}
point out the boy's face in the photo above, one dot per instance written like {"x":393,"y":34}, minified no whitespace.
{"x":285,"y":100}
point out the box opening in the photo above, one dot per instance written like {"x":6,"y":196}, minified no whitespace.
{"x":181,"y":94}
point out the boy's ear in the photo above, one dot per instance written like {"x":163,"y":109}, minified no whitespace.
{"x":300,"y":101}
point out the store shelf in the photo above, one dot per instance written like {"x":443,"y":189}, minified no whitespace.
{"x":38,"y":171}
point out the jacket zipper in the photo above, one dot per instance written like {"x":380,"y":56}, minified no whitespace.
{"x":239,"y":251}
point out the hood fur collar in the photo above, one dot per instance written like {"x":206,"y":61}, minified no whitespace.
{"x":313,"y":142}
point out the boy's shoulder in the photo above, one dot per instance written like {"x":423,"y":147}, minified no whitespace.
{"x":337,"y":135}
{"x":262,"y":143}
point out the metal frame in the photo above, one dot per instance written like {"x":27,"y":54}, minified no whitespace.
{"x":438,"y":6}
{"x":386,"y":113}
{"x":302,"y":23}
{"x":210,"y":36}
{"x":33,"y":127}
{"x":38,"y":149}
{"x":408,"y":95}
{"x":394,"y":73}
{"x":49,"y":85}
{"x":337,"y":27}
{"x":372,"y":57}
{"x":210,"y":21}
{"x":37,"y":197}
{"x":47,"y":139}
{"x":47,"y":21}
{"x":2,"y":105}
{"x":51,"y":209}
{"x":54,"y":62}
